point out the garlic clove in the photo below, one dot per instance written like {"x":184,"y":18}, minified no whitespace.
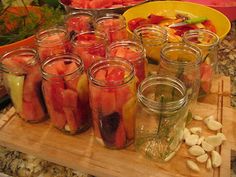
{"x":214,"y":125}
{"x":207,"y":119}
{"x":207,"y":147}
{"x":200,"y":140}
{"x":216,"y":159}
{"x":196,"y":150}
{"x":193,"y":166}
{"x":202,"y":158}
{"x":209,"y":165}
{"x":192,"y":140}
{"x":222,"y":136}
{"x":196,"y":130}
{"x":186,"y":133}
{"x":196,"y":117}
{"x":214,"y":140}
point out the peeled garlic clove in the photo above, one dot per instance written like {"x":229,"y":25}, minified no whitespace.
{"x":186,"y":133}
{"x":207,"y":119}
{"x":216,"y":159}
{"x":191,"y":140}
{"x":199,"y":142}
{"x":214,"y":140}
{"x":207,"y":147}
{"x":196,"y":130}
{"x":222,"y":136}
{"x":202,"y":158}
{"x":214,"y":125}
{"x":208,"y":165}
{"x":193,"y":166}
{"x":196,"y":150}
{"x":196,"y":117}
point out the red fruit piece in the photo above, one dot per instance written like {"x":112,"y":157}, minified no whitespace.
{"x":180,"y":30}
{"x":206,"y":77}
{"x":155,"y":19}
{"x":70,"y":99}
{"x":115,"y":74}
{"x":209,"y":26}
{"x":100,"y":3}
{"x":137,"y":22}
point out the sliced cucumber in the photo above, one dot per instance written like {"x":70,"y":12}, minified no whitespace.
{"x":15,"y":86}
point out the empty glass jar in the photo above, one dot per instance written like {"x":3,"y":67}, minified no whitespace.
{"x":160,"y":117}
{"x":183,"y":61}
{"x":207,"y":42}
{"x":153,"y":38}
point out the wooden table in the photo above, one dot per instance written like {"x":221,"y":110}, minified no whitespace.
{"x":82,"y":152}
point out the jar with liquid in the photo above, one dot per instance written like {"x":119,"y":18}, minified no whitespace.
{"x":65,"y":89}
{"x":183,"y":62}
{"x":90,"y":46}
{"x":153,"y":38}
{"x":112,"y":93}
{"x":207,"y":42}
{"x":133,"y":52}
{"x":113,"y":25}
{"x":161,"y":117}
{"x":22,"y":79}
{"x":52,"y":41}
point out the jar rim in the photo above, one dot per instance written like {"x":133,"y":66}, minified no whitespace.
{"x":193,"y":33}
{"x":127,"y":43}
{"x":20,"y":50}
{"x":101,"y":36}
{"x":110,"y":16}
{"x":138,"y":32}
{"x":56,"y":29}
{"x":115,"y":61}
{"x":155,"y":80}
{"x":66,"y":58}
{"x":181,"y":47}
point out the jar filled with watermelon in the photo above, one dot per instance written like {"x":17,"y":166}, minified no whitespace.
{"x":132,"y":51}
{"x":78,"y":21}
{"x":52,"y":41}
{"x":207,"y":42}
{"x":162,"y":110}
{"x":65,"y":89}
{"x":22,"y":79}
{"x":183,"y":62}
{"x":114,"y":25}
{"x":112,"y":91}
{"x":90,"y":46}
{"x":153,"y":38}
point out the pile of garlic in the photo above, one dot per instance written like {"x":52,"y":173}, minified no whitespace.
{"x":203,"y":148}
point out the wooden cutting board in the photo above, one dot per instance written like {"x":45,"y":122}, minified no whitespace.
{"x":82,"y":152}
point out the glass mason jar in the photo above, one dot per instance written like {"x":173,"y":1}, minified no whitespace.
{"x":79,"y":21}
{"x":132,"y":51}
{"x":113,"y":25}
{"x":161,"y":117}
{"x":182,"y":61}
{"x":112,"y":91}
{"x":153,"y":38}
{"x":65,"y":89}
{"x":52,"y":41}
{"x":90,"y":46}
{"x":207,"y":42}
{"x":22,"y":79}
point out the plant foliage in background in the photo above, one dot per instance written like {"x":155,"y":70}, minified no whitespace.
{"x":19,"y":24}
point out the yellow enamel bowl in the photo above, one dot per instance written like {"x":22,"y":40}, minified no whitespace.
{"x":220,"y":21}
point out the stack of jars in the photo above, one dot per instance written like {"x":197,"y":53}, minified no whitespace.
{"x":91,"y":72}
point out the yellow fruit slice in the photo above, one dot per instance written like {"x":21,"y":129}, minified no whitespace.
{"x":128,"y":112}
{"x":15,"y":86}
{"x":82,"y":87}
